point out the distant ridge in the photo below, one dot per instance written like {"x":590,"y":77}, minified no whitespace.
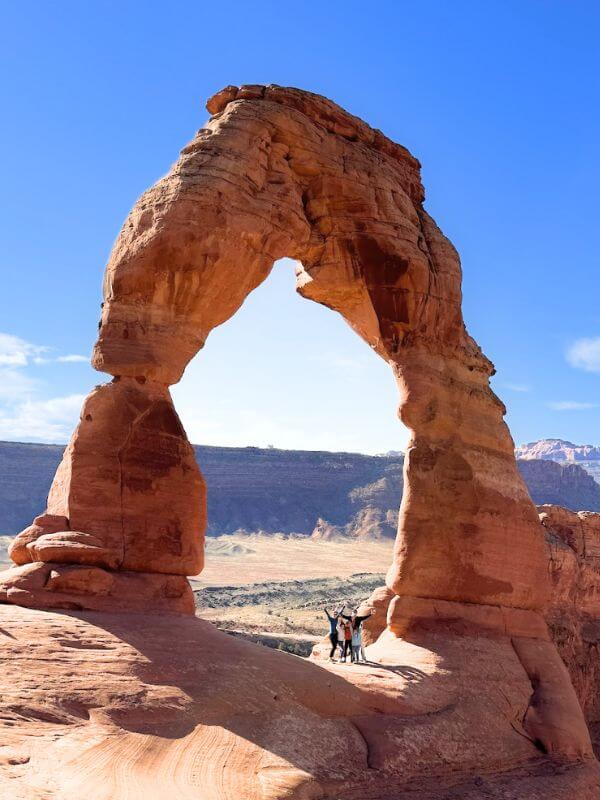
{"x":286,"y":491}
{"x":563,"y":452}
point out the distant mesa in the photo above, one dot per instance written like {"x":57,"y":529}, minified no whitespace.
{"x":563,"y":452}
{"x":558,"y":450}
{"x":317,"y":493}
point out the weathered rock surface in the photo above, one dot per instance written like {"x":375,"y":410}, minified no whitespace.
{"x":574,"y":611}
{"x":76,"y":587}
{"x":279,"y":172}
{"x":566,"y":484}
{"x":127,"y":497}
{"x":143,"y":707}
{"x":465,"y":678}
{"x":572,"y":615}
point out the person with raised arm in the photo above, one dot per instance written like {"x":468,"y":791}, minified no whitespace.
{"x":358,"y":651}
{"x":333,"y":631}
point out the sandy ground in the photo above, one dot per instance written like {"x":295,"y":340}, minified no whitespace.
{"x":277,"y":578}
{"x":254,"y":558}
{"x":239,"y":559}
{"x":277,"y":562}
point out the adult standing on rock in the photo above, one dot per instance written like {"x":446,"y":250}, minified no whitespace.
{"x":333,"y":631}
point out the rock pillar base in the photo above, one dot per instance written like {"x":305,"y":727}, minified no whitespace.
{"x":78,"y":587}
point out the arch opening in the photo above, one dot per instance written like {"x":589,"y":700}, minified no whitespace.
{"x":289,"y":408}
{"x":305,"y":379}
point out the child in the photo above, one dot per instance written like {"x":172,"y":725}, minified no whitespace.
{"x":341,"y":632}
{"x":348,"y":640}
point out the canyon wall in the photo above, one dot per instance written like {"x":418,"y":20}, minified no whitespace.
{"x":565,"y":484}
{"x":573,"y":615}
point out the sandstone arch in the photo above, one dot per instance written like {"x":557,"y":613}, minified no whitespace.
{"x":280,"y":172}
{"x":275,"y":173}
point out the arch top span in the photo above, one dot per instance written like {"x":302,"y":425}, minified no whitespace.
{"x":330,"y":117}
{"x":278,"y":172}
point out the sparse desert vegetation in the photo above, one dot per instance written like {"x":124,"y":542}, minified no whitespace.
{"x":273,"y":589}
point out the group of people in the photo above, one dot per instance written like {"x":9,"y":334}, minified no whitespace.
{"x":345,"y":633}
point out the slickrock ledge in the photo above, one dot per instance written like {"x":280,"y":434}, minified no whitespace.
{"x":148,"y":706}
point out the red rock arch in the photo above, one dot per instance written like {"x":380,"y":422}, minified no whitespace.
{"x":280,"y":172}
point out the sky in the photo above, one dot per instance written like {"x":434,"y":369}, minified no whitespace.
{"x":499,"y":101}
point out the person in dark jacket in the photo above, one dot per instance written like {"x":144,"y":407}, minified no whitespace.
{"x":333,"y":631}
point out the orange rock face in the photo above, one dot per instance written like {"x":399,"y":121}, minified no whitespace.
{"x":573,"y":614}
{"x":153,"y":706}
{"x":279,"y":172}
{"x":127,"y":497}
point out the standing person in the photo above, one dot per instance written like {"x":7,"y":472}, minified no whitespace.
{"x":333,"y":631}
{"x":348,"y":640}
{"x":341,"y":632}
{"x":357,"y":645}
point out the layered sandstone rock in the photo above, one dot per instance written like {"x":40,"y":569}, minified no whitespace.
{"x":574,"y":611}
{"x":572,"y":542}
{"x":148,"y":707}
{"x":279,"y":172}
{"x":567,"y":484}
{"x":128,"y":497}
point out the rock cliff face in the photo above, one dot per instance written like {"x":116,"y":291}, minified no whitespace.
{"x":26,"y":473}
{"x":574,"y":612}
{"x":284,"y":491}
{"x":565,"y":484}
{"x":563,"y":452}
{"x":289,"y":491}
{"x":572,"y":543}
{"x":465,"y":679}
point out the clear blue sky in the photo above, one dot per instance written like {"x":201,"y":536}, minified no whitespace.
{"x":499,"y":100}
